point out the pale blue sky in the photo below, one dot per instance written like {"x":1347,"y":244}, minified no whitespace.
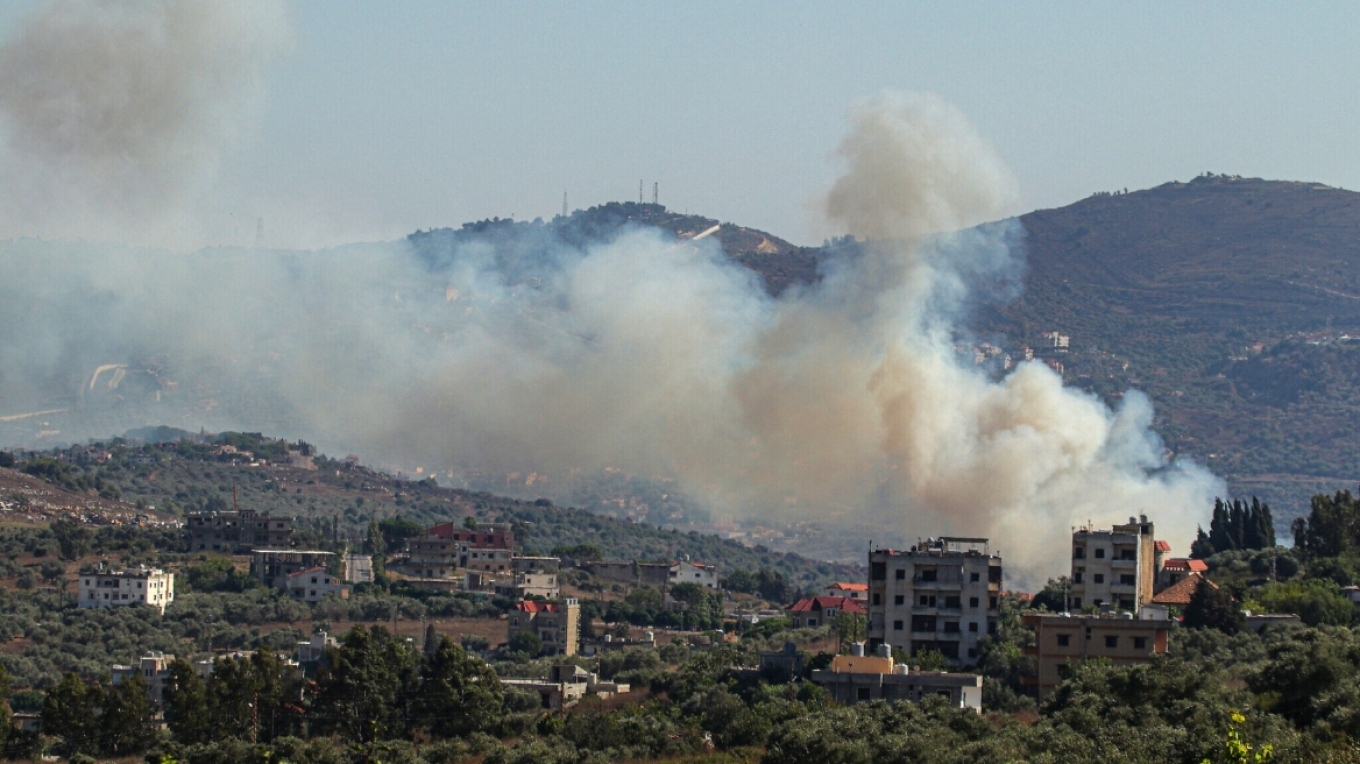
{"x":386,"y":117}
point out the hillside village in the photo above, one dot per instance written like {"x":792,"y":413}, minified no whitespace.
{"x":928,"y":623}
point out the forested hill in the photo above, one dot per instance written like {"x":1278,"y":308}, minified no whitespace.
{"x":1234,"y":302}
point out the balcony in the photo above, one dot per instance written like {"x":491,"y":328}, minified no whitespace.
{"x":1124,"y":564}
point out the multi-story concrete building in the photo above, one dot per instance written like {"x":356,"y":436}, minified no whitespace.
{"x":524,"y":585}
{"x":106,"y":589}
{"x":444,"y":551}
{"x":556,"y":624}
{"x":358,"y":568}
{"x":237,"y":531}
{"x":1114,"y":568}
{"x":942,"y":594}
{"x":272,"y":567}
{"x":860,"y":678}
{"x":154,"y":668}
{"x":314,"y":584}
{"x":1063,"y":639}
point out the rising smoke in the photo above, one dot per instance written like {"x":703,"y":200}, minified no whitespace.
{"x":114,"y":116}
{"x":842,"y":401}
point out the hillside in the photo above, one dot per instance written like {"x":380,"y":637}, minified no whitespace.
{"x":1232,"y":302}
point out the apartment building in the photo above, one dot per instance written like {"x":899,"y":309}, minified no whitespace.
{"x":1063,"y":639}
{"x":684,"y":572}
{"x":154,"y":668}
{"x":556,"y":624}
{"x":148,"y":586}
{"x":942,"y":594}
{"x":444,"y":551}
{"x":1115,"y":568}
{"x":237,"y":531}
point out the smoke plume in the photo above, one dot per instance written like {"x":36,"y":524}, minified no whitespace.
{"x":521,"y":350}
{"x":114,"y":116}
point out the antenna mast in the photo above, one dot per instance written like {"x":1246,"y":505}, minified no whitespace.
{"x":639,"y":191}
{"x":654,"y":190}
{"x":564,"y":202}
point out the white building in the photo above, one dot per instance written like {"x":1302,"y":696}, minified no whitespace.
{"x":855,"y":590}
{"x":313,"y":584}
{"x":147,"y":586}
{"x":358,"y":568}
{"x":154,"y":667}
{"x":314,"y":649}
{"x":942,"y":594}
{"x":694,"y":573}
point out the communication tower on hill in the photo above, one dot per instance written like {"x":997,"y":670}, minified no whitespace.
{"x":655,"y":186}
{"x":564,"y":202}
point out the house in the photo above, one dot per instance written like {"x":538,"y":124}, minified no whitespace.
{"x":525,"y":585}
{"x":860,"y":678}
{"x":154,"y":668}
{"x":1181,"y":592}
{"x":444,"y":549}
{"x":942,"y":594}
{"x":1114,"y":568}
{"x":314,"y":649}
{"x":314,"y":584}
{"x":1175,"y":570}
{"x":146,"y":586}
{"x":272,"y":567}
{"x":811,"y":612}
{"x":557,"y":625}
{"x":566,"y":686}
{"x":1063,"y":639}
{"x":694,"y":573}
{"x":786,"y":663}
{"x":237,"y":531}
{"x":851,"y":589}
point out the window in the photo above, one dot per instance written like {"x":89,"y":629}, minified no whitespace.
{"x":1078,"y":575}
{"x":861,"y":693}
{"x":951,"y":627}
{"x":927,"y":600}
{"x":952,"y":601}
{"x":973,"y":578}
{"x":1127,"y":579}
{"x":901,"y":574}
{"x":972,"y":652}
{"x":878,"y":571}
{"x":1064,"y":640}
{"x":1079,"y":553}
{"x":1112,"y":641}
{"x":972,"y":626}
{"x":972,"y":602}
{"x":1100,"y":554}
{"x":991,"y":603}
{"x":878,"y":599}
{"x":1076,"y":603}
{"x":897,"y":625}
{"x":1140,"y":643}
{"x":1099,"y":577}
{"x":900,"y":599}
{"x":929,"y":575}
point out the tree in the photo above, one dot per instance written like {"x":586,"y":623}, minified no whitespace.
{"x":1213,"y":608}
{"x":249,"y":697}
{"x":848,"y":627}
{"x":5,"y":713}
{"x":1236,"y":525}
{"x":360,"y":691}
{"x":525,"y":642}
{"x":186,"y":705}
{"x":125,"y":711}
{"x":73,"y":539}
{"x":69,"y":712}
{"x":457,"y":694}
{"x":1331,"y":527}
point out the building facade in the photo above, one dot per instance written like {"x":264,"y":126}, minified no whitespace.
{"x":942,"y":594}
{"x":272,"y":567}
{"x":237,"y":531}
{"x":694,"y":573}
{"x":148,"y":586}
{"x":1114,"y":568}
{"x":314,"y":584}
{"x":1063,"y":639}
{"x":852,"y":589}
{"x":154,"y":668}
{"x":859,"y":678}
{"x":556,"y":624}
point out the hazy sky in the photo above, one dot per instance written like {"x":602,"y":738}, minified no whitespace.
{"x":384,"y":118}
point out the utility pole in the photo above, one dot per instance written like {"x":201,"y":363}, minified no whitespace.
{"x":639,"y":191}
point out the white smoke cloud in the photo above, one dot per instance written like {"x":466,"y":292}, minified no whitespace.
{"x":114,"y":116}
{"x":842,"y":401}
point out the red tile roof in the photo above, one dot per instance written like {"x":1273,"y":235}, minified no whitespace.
{"x":533,"y":606}
{"x":1194,"y":566}
{"x":1163,"y":546}
{"x":1180,"y":592}
{"x":819,"y":603}
{"x":850,"y":586}
{"x":305,"y":572}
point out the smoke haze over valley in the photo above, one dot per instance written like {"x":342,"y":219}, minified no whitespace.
{"x":523,"y":348}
